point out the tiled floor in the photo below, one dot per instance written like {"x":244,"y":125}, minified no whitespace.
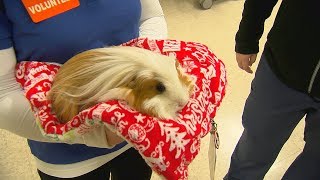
{"x":216,"y":28}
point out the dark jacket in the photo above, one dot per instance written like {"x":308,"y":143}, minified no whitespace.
{"x":293,"y":44}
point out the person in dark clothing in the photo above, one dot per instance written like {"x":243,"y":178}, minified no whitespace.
{"x":285,"y":89}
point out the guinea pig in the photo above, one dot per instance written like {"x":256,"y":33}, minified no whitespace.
{"x":149,"y":82}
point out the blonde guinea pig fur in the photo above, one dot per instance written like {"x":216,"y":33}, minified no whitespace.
{"x":149,"y":82}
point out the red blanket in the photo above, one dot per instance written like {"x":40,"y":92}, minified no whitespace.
{"x":168,"y":146}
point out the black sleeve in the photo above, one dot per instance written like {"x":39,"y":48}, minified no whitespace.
{"x":251,"y":27}
{"x":1,"y":5}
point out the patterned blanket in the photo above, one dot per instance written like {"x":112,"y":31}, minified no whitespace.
{"x":167,"y":146}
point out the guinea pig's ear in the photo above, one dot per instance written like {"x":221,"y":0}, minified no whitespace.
{"x":185,"y":78}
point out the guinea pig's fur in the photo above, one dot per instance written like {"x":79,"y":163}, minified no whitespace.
{"x":151,"y":83}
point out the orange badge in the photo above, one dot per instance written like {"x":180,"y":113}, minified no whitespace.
{"x":40,"y":10}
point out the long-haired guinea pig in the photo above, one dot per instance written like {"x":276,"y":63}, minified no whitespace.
{"x":151,"y":83}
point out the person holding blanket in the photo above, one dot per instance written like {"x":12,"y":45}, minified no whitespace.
{"x":54,"y":32}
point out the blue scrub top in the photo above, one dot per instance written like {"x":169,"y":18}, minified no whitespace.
{"x":93,"y":24}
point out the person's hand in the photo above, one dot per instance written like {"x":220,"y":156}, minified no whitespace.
{"x":112,"y":138}
{"x":245,"y":61}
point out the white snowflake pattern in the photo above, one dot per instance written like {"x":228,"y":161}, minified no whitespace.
{"x":187,"y":49}
{"x":140,"y":118}
{"x":189,"y":66}
{"x":39,"y":88}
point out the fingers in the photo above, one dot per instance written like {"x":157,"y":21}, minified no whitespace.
{"x":245,"y":61}
{"x":253,"y":59}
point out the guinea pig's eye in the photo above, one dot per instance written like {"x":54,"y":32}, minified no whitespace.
{"x":160,"y":87}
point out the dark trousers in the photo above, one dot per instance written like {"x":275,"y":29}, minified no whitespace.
{"x":126,"y":166}
{"x":271,"y":113}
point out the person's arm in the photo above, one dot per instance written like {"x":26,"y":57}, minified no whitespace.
{"x":15,"y":111}
{"x":152,"y":21}
{"x":17,"y":117}
{"x":251,"y":28}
